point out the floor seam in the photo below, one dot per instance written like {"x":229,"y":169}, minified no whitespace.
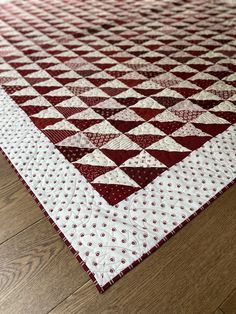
{"x":68,"y":296}
{"x":21,"y":231}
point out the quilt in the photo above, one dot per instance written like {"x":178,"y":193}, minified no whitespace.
{"x":119,"y":117}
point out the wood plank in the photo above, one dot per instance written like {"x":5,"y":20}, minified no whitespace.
{"x":18,"y":210}
{"x":192,"y":273}
{"x":218,"y":311}
{"x":229,"y":305}
{"x":37,"y":271}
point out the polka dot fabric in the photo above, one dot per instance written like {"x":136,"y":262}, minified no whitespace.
{"x":110,"y":240}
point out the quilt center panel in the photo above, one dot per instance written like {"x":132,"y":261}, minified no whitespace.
{"x":122,"y":95}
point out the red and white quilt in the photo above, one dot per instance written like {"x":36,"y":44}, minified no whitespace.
{"x":119,"y":116}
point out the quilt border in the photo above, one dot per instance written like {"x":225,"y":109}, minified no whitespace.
{"x":101,"y":289}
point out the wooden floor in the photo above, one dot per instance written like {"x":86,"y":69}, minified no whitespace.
{"x":194,"y":272}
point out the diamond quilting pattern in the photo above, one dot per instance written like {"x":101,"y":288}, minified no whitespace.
{"x":124,"y":90}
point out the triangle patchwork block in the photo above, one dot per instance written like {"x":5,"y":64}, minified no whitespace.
{"x":143,"y":176}
{"x":147,"y":113}
{"x":73,"y":153}
{"x":192,"y":142}
{"x":114,"y":193}
{"x":91,"y":172}
{"x":212,"y":129}
{"x":85,"y":124}
{"x":144,"y":140}
{"x":57,"y":136}
{"x":119,"y":156}
{"x":124,"y":126}
{"x":167,"y":127}
{"x":168,"y":158}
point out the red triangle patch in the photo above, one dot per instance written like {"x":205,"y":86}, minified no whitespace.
{"x":119,"y":155}
{"x":45,"y":89}
{"x":12,"y":89}
{"x":26,"y":72}
{"x":125,"y":126}
{"x":57,"y":136}
{"x":227,"y":115}
{"x":30,"y":110}
{"x":42,"y":123}
{"x":84,"y":124}
{"x":192,"y":142}
{"x":168,"y":158}
{"x":144,"y":140}
{"x":143,"y":176}
{"x":184,"y":75}
{"x":55,"y":100}
{"x":74,"y":153}
{"x":91,"y":172}
{"x":147,"y":91}
{"x":167,"y":127}
{"x":106,"y":113}
{"x":117,"y":74}
{"x":112,"y":91}
{"x":92,"y":101}
{"x":114,"y":193}
{"x":131,"y":82}
{"x":147,"y":113}
{"x":206,"y":104}
{"x":100,"y":139}
{"x":35,"y":80}
{"x":64,"y":81}
{"x":167,"y":101}
{"x":129,"y":101}
{"x":212,"y":129}
{"x":98,"y":81}
{"x":21,"y":99}
{"x":69,"y":111}
{"x":203,"y":83}
{"x":187,"y":92}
